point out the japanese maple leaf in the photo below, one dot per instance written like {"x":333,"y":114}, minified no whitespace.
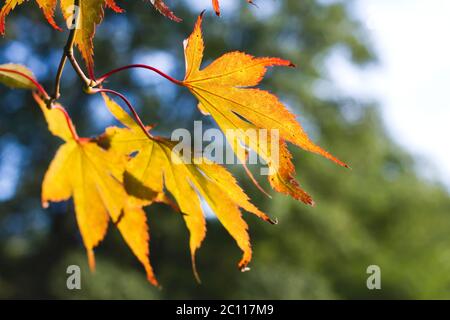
{"x":12,"y":75}
{"x":158,"y":167}
{"x":112,"y":4}
{"x":216,"y":5}
{"x":225,"y":90}
{"x":90,"y":14}
{"x":93,"y":177}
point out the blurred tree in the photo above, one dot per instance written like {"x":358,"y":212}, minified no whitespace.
{"x":381,"y":212}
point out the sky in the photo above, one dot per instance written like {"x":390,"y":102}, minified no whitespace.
{"x":412,"y":80}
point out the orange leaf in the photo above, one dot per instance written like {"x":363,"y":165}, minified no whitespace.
{"x":225,"y":90}
{"x":90,"y":14}
{"x":47,"y":6}
{"x":216,"y":5}
{"x":112,"y":4}
{"x":164,"y":10}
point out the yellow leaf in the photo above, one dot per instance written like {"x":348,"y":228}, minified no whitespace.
{"x":225,"y":90}
{"x":158,"y":167}
{"x":134,"y":229}
{"x":164,"y":10}
{"x":47,"y":7}
{"x":93,"y":177}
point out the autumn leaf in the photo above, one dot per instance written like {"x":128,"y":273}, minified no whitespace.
{"x":158,"y":167}
{"x":90,"y":14}
{"x":216,"y":5}
{"x":93,"y":177}
{"x":164,"y":10}
{"x":225,"y":90}
{"x":17,"y":76}
{"x":47,"y":7}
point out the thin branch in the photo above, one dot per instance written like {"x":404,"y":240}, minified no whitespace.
{"x":69,"y":55}
{"x":142,"y":66}
{"x":137,"y":119}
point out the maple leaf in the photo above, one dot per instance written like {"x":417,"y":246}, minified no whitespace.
{"x":93,"y":177}
{"x":164,"y":10}
{"x":47,"y":7}
{"x":225,"y":90}
{"x":158,"y":167}
{"x":216,"y":5}
{"x":112,"y":5}
{"x":90,"y":14}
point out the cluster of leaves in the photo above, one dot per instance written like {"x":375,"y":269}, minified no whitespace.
{"x":114,"y":176}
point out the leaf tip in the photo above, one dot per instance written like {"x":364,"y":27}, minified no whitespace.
{"x":243,"y":264}
{"x":153,"y":281}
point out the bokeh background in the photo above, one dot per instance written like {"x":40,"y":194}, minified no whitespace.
{"x":370,"y":87}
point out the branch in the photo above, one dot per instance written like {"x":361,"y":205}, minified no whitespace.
{"x":31,"y":79}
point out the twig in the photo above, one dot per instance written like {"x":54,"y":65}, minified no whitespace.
{"x":142,"y":66}
{"x":69,"y":122}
